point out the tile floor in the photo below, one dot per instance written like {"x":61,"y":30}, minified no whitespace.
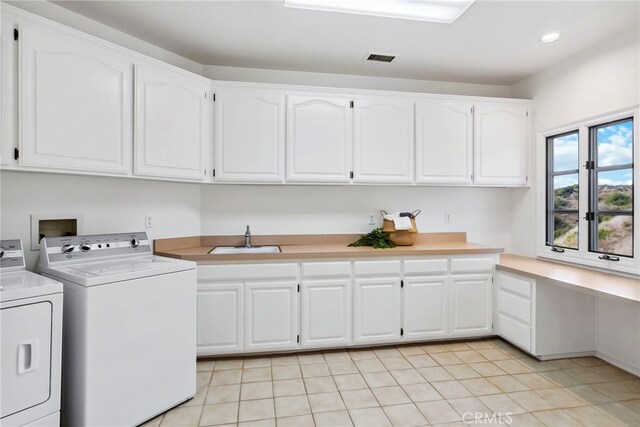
{"x":410,"y":385}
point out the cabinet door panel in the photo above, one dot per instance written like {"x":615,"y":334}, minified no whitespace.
{"x":75,"y":104}
{"x":376,"y":310}
{"x":249,"y":136}
{"x":170,"y":124}
{"x":271,"y":313}
{"x":425,"y":308}
{"x":319,"y":139}
{"x":326,"y":313}
{"x":383,"y":140}
{"x":471,"y":305}
{"x":501,"y":132}
{"x":444,"y":142}
{"x":219,"y":319}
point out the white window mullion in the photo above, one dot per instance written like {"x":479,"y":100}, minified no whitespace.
{"x":583,"y":205}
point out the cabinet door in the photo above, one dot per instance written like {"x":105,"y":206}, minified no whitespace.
{"x":249,"y":136}
{"x":425,"y":307}
{"x":170,"y":124}
{"x":500,"y":136}
{"x":383,"y":140}
{"x":471,"y":305}
{"x":444,"y":142}
{"x":271,"y":316}
{"x":319,"y":139}
{"x":75,"y":103}
{"x":326,"y":313}
{"x":376,"y":310}
{"x":219,"y":318}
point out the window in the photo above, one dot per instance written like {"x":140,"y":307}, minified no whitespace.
{"x":611,"y":188}
{"x":563,"y":187}
{"x":589,"y":192}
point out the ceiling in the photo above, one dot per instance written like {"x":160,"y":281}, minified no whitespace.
{"x":493,"y":42}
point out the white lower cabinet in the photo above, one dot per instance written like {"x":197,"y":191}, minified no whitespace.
{"x":544,"y":319}
{"x":326,"y":312}
{"x":244,"y":308}
{"x":425,"y":307}
{"x":376,"y":310}
{"x":471,"y":305}
{"x":271,"y":315}
{"x":220,"y":318}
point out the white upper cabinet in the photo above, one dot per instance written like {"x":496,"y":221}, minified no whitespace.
{"x":75,"y":103}
{"x":383,"y":140}
{"x":319,"y":139}
{"x":170,"y":118}
{"x":249,"y":143}
{"x":444,"y":142}
{"x":501,"y":134}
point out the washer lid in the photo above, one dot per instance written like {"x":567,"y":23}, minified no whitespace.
{"x":24,"y":284}
{"x":118,"y":270}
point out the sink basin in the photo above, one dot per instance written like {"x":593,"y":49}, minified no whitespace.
{"x":244,"y":250}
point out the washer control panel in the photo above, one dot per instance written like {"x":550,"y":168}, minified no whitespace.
{"x":93,"y":247}
{"x":11,"y":255}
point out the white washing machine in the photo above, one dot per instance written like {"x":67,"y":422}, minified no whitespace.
{"x":129,"y":343}
{"x":30,"y":342}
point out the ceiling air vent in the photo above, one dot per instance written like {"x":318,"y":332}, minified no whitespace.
{"x":378,"y":57}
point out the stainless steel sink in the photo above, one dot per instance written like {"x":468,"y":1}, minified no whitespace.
{"x":245,"y":250}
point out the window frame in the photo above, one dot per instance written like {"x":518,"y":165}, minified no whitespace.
{"x":594,"y":169}
{"x":582,"y":255}
{"x":550,"y":199}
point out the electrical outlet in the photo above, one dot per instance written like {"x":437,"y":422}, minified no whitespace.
{"x":447,"y":217}
{"x":148,"y":221}
{"x":372,"y":219}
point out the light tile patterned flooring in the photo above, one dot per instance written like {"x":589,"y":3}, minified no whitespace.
{"x":410,"y":385}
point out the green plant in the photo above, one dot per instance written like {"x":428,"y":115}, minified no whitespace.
{"x":618,"y":199}
{"x":603,"y":233}
{"x":376,"y":238}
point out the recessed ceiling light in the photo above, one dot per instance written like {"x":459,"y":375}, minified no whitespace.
{"x":442,"y":11}
{"x":550,"y":38}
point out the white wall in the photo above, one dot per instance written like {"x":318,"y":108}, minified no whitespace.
{"x":108,"y":205}
{"x":260,"y":75}
{"x":603,"y":79}
{"x":82,"y":23}
{"x":482,"y":212}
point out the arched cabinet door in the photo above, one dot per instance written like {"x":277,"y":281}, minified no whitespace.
{"x":500,"y":136}
{"x":444,"y":142}
{"x":319,"y":139}
{"x":75,"y":97}
{"x":249,"y":143}
{"x":383,"y":140}
{"x":170,"y":123}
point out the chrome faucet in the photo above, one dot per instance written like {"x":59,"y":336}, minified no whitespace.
{"x":247,"y":238}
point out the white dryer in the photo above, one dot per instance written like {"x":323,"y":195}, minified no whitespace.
{"x":30,"y":342}
{"x":129,"y":343}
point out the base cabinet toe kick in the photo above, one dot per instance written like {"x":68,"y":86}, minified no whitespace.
{"x":551,"y":321}
{"x":295,"y":306}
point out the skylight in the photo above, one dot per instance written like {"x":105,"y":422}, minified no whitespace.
{"x":441,"y":11}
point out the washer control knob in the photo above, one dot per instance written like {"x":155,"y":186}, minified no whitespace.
{"x":67,"y":249}
{"x":85,"y":247}
{"x":135,"y":243}
{"x":1,"y":252}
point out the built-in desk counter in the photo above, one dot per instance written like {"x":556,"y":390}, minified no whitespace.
{"x":554,"y":310}
{"x":582,"y":278}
